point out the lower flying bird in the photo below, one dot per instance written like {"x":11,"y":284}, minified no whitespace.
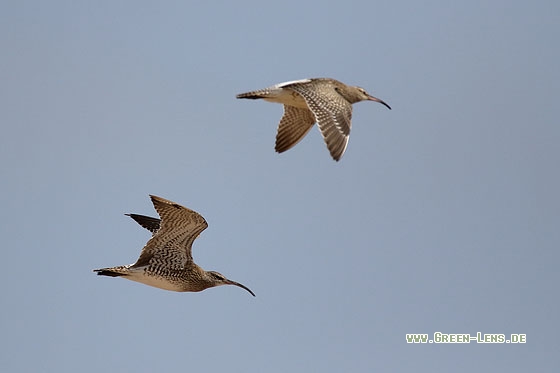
{"x":324,"y":101}
{"x":166,"y":261}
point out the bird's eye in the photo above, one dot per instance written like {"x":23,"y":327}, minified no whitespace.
{"x":218,"y":276}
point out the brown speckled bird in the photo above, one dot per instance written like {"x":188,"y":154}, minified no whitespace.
{"x":324,"y":101}
{"x":166,"y":261}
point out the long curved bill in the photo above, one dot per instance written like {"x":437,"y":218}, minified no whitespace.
{"x":371,"y":98}
{"x":241,"y":286}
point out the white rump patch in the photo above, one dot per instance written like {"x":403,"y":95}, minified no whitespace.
{"x":280,"y":85}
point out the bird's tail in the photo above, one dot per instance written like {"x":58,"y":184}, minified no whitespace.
{"x":111,"y":272}
{"x":254,"y":95}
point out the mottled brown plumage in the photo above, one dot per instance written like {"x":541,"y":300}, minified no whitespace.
{"x":324,"y":101}
{"x":166,"y":260}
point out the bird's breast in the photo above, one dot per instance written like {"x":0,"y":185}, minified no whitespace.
{"x":148,"y":276}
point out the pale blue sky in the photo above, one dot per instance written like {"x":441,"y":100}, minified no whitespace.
{"x":443,"y":215}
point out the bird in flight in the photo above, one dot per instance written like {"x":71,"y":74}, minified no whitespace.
{"x":324,"y":101}
{"x":166,"y":260}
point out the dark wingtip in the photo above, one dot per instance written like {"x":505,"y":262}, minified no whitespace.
{"x":151,"y":224}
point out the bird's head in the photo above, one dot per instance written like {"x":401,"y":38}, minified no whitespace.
{"x":360,"y":94}
{"x":217,"y":279}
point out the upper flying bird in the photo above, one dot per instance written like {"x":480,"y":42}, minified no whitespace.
{"x":324,"y":101}
{"x":166,"y":261}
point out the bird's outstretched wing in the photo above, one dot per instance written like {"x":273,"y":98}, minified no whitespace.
{"x":172,"y":243}
{"x":332,"y":113}
{"x":294,"y":125}
{"x":151,"y":224}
